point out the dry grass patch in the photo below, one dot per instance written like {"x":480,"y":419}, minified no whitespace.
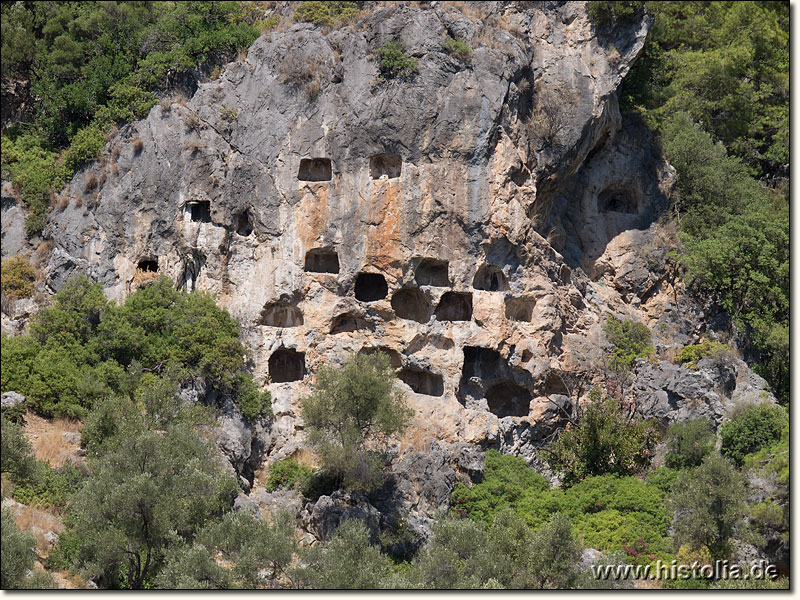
{"x":38,"y":522}
{"x":48,"y":440}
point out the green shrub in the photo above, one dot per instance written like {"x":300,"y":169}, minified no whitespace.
{"x":662,"y":478}
{"x":16,"y":455}
{"x":49,"y":488}
{"x":606,"y":440}
{"x":18,"y":553}
{"x":505,"y":479}
{"x":17,"y":278}
{"x":689,"y":443}
{"x":349,"y":416}
{"x":629,"y":340}
{"x":394,"y":62}
{"x":751,"y":430}
{"x":288,"y":473}
{"x":691,"y":354}
{"x":325,"y":13}
{"x":458,"y":47}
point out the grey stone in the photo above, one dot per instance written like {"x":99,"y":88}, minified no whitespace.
{"x":11,"y":399}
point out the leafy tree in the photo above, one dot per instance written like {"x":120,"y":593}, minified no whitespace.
{"x":140,"y":500}
{"x":249,"y":546}
{"x":349,"y":416}
{"x":751,"y":430}
{"x":689,"y":443}
{"x":606,"y":440}
{"x":348,"y":561}
{"x":708,"y":502}
{"x":16,"y":456}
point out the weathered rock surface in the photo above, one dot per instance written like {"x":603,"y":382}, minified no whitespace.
{"x":478,"y":221}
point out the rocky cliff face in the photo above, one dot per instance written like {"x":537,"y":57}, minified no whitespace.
{"x":477,"y":221}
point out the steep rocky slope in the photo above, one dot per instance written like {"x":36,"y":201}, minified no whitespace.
{"x":479,"y":221}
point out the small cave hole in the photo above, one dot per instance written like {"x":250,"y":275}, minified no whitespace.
{"x":287,"y":365}
{"x":371,"y":287}
{"x":389,"y":165}
{"x":480,"y":362}
{"x":519,"y":309}
{"x":244,"y":224}
{"x":490,"y":278}
{"x":431,"y":271}
{"x":454,"y":306}
{"x":395,"y":360}
{"x":201,"y":211}
{"x":147,"y":265}
{"x":347,"y":322}
{"x":422,"y":382}
{"x":507,"y":399}
{"x":618,"y":200}
{"x":281,"y":314}
{"x":322,"y":260}
{"x":412,"y":304}
{"x":315,"y":169}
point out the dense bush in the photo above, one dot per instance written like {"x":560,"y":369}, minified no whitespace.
{"x":16,"y":455}
{"x":629,"y":340}
{"x":707,"y":503}
{"x":751,"y":430}
{"x":93,"y":66}
{"x":690,"y":354}
{"x":606,"y":440}
{"x":17,"y":278}
{"x":83,"y":348}
{"x":288,"y":473}
{"x":394,"y":62}
{"x":349,"y":415}
{"x":606,"y":13}
{"x":689,"y":443}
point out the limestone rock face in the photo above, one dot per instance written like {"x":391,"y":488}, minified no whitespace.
{"x":478,"y":221}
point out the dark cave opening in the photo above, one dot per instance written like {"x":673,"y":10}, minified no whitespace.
{"x":618,"y":200}
{"x":389,"y":165}
{"x":412,"y":304}
{"x":454,"y":306}
{"x":147,"y":265}
{"x":422,"y":382}
{"x":519,"y":309}
{"x":490,"y":278}
{"x":347,"y":322}
{"x":201,"y":211}
{"x":287,"y":365}
{"x":432,"y":271}
{"x":321,"y":260}
{"x":315,"y":169}
{"x":507,"y":399}
{"x":244,"y":224}
{"x":370,"y":287}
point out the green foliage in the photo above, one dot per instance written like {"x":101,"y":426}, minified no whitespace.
{"x":662,"y":478}
{"x":630,"y":340}
{"x":689,"y":443}
{"x":17,"y":278}
{"x":84,"y":349}
{"x":607,"y":440}
{"x":713,"y":81}
{"x":18,"y":553}
{"x":605,"y":14}
{"x":154,"y":492}
{"x":751,"y":430}
{"x":349,"y":415}
{"x":505,"y":479}
{"x":458,"y":47}
{"x":94,"y":66}
{"x":258,"y":554}
{"x":288,"y":473}
{"x":325,"y":13}
{"x":49,"y":487}
{"x":394,"y":62}
{"x":690,"y":354}
{"x":16,"y":456}
{"x":707,"y":503}
{"x":349,"y":561}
